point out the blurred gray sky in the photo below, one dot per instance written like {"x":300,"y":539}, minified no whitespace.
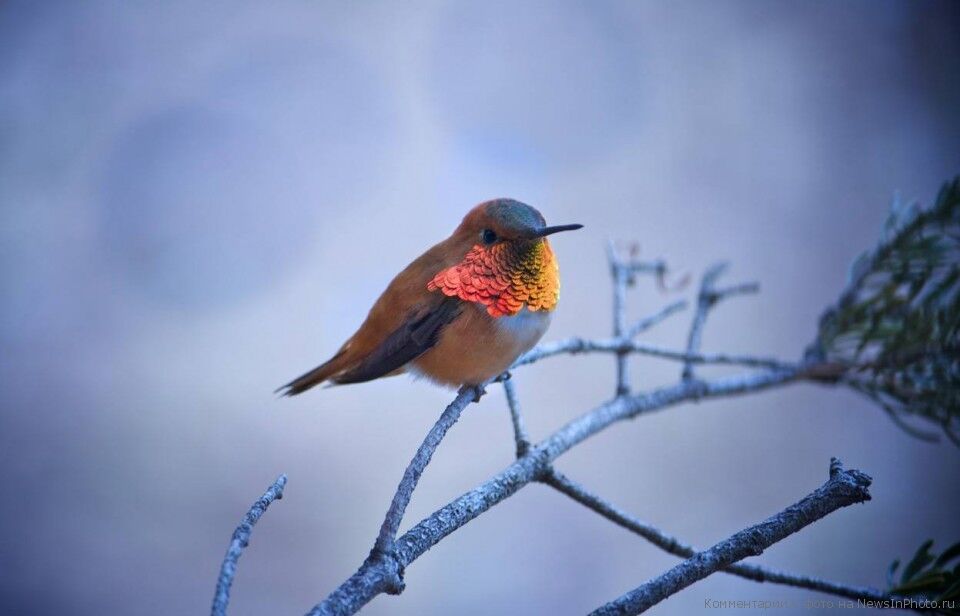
{"x":198,"y":201}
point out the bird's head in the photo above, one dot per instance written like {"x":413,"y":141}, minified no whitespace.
{"x":506,"y":260}
{"x":506,"y":221}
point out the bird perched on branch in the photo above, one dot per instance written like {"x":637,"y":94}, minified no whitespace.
{"x":463,"y":311}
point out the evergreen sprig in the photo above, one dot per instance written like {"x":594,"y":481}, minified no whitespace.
{"x":895,"y":329}
{"x":929,"y":576}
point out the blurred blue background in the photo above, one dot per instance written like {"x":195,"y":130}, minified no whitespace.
{"x":199,"y":201}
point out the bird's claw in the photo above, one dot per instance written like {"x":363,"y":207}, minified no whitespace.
{"x":478,"y":391}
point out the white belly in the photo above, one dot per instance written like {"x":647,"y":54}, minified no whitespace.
{"x":525,"y":327}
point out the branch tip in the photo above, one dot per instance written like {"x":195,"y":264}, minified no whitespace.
{"x":836,"y":467}
{"x":239,"y":541}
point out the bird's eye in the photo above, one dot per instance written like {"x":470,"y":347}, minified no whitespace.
{"x":488,"y":236}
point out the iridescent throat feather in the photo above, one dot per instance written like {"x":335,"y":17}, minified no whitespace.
{"x":504,"y":277}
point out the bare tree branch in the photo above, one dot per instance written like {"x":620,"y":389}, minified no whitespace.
{"x":700,"y":315}
{"x":513,"y":403}
{"x":744,"y":288}
{"x":707,"y":298}
{"x":239,"y":541}
{"x":620,"y":276}
{"x":411,"y":476}
{"x":842,"y":489}
{"x":670,"y":544}
{"x":626,"y":346}
{"x":675,"y":546}
{"x":373,"y":576}
{"x":646,"y":323}
{"x":382,"y":571}
{"x":624,"y":272}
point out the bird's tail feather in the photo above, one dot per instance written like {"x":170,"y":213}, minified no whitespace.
{"x":318,"y":375}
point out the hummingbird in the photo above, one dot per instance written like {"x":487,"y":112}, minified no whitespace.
{"x":460,"y":313}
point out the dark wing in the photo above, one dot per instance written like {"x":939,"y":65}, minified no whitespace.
{"x":417,"y":335}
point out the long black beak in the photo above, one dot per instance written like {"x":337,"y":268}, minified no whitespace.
{"x":556,"y":229}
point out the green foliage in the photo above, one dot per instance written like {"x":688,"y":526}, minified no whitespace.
{"x":928,"y":576}
{"x":896,"y":327}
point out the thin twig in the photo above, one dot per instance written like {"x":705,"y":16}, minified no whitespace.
{"x":633,"y":267}
{"x":646,"y":323}
{"x":239,"y":542}
{"x":675,"y":546}
{"x":513,"y":403}
{"x":624,"y":272}
{"x":744,"y":288}
{"x":620,"y":278}
{"x":708,"y":296}
{"x":842,"y":489}
{"x":700,"y":314}
{"x":577,"y":345}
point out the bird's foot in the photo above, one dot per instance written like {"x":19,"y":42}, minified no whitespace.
{"x":478,"y":391}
